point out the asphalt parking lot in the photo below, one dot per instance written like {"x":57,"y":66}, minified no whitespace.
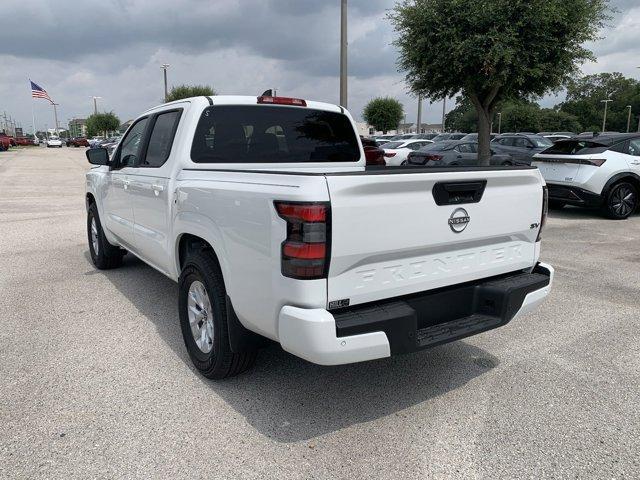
{"x":95,"y":381}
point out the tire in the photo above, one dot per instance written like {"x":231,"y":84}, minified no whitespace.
{"x":107,"y":256}
{"x":556,"y":205}
{"x":201,"y":283}
{"x":621,"y":201}
{"x":507,"y":164}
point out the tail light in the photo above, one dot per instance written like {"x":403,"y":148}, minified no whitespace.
{"x":389,"y":154}
{"x":433,"y":158}
{"x":595,"y":162}
{"x":305,"y":251}
{"x":545,"y":211}
{"x":298,"y":102}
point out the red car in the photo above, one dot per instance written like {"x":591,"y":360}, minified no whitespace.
{"x":373,"y":154}
{"x":23,"y":141}
{"x":6,"y":141}
{"x":77,"y":142}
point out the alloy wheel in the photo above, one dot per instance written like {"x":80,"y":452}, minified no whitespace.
{"x":200,"y":316}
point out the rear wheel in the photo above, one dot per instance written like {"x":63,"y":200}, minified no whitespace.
{"x":621,"y":201}
{"x":203,"y":319}
{"x":103,"y":255}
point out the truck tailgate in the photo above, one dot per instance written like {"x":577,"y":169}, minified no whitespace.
{"x":390,"y":237}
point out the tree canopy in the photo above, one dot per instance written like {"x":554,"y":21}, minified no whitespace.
{"x":383,"y":114}
{"x":178,"y":92}
{"x":102,"y":123}
{"x":585,"y":95}
{"x":493,"y":50}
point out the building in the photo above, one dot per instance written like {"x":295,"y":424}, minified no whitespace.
{"x":366,"y":130}
{"x":78,"y":127}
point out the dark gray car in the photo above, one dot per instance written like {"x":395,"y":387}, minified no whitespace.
{"x":521,"y":147}
{"x":452,"y":153}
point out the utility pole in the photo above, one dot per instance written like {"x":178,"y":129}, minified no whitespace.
{"x":343,"y":53}
{"x":95,"y":105}
{"x":166,"y":89}
{"x":629,"y":118}
{"x":419,"y":127}
{"x":55,"y":115}
{"x":499,"y":123}
{"x":604,"y":119}
{"x":444,"y":111}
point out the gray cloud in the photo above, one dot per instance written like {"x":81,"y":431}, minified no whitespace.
{"x":113,"y":48}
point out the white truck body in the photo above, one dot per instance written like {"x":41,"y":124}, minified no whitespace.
{"x":388,"y":239}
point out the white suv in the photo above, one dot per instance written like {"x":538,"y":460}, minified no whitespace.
{"x":594,"y":171}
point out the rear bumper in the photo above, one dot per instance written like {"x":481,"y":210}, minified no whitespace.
{"x":414,"y":322}
{"x":573,"y":195}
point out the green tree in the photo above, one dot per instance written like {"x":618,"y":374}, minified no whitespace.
{"x":463,"y":118}
{"x":102,"y":123}
{"x":493,"y":50}
{"x":585,"y":95}
{"x":383,"y":114}
{"x":178,"y":92}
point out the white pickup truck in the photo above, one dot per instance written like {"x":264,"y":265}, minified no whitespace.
{"x":263,"y":211}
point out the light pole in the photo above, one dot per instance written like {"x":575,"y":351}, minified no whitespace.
{"x":444,"y":112}
{"x":95,"y":105}
{"x":343,"y":53}
{"x":164,"y":69}
{"x":629,"y":118}
{"x":419,"y":129}
{"x":604,"y":119}
{"x":499,"y":123}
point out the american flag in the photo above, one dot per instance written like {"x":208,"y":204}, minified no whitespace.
{"x":38,"y":92}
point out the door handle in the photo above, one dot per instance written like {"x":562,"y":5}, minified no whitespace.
{"x":125,"y":184}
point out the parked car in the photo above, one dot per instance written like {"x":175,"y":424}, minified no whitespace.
{"x":36,"y":141}
{"x":6,"y":141}
{"x":594,"y":171}
{"x":473,"y":137}
{"x":373,"y":153}
{"x":453,"y":153}
{"x":396,"y":152}
{"x":449,"y":136}
{"x":264,"y":213}
{"x":95,"y":141}
{"x":555,"y":138}
{"x":77,"y":142}
{"x":53,"y":142}
{"x":425,"y":136}
{"x":520,"y":146}
{"x":23,"y":141}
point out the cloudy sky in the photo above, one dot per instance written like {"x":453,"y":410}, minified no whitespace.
{"x":114,"y":49}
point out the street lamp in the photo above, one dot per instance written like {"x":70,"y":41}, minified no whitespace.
{"x":95,"y":105}
{"x":629,"y":118}
{"x":343,"y":53}
{"x":604,"y":119}
{"x":164,"y":69}
{"x":499,"y":123}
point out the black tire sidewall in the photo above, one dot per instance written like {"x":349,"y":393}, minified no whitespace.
{"x":195,"y":270}
{"x":95,"y":257}
{"x":610,"y":212}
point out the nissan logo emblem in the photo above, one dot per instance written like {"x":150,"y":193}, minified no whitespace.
{"x":459,"y":220}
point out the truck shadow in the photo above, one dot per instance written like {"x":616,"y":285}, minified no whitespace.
{"x":288,"y":399}
{"x":581,"y":213}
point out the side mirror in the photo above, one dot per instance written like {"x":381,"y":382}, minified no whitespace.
{"x":98,"y":156}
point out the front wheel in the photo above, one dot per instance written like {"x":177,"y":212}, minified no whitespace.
{"x":621,"y":201}
{"x":203,"y":319}
{"x":103,"y":255}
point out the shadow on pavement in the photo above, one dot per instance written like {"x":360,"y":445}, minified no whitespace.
{"x":579,"y":213}
{"x":289,"y":399}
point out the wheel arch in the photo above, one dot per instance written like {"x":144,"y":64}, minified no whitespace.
{"x":630,"y":177}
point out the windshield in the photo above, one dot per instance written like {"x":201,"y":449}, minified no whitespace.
{"x":273,"y":134}
{"x":541,"y":142}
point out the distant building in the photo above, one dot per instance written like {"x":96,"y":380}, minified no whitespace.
{"x":78,"y":127}
{"x":365,"y":129}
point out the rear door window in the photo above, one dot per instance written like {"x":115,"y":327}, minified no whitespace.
{"x":273,"y":134}
{"x":161,"y":139}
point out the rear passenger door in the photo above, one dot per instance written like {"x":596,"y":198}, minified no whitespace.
{"x":149,"y":186}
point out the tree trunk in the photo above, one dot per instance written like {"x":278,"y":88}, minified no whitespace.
{"x":484,"y":137}
{"x":484,"y":109}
